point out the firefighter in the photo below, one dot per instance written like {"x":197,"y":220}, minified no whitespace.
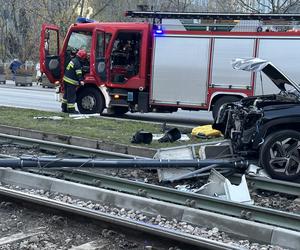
{"x":73,"y":78}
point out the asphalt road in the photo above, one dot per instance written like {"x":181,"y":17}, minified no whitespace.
{"x":39,"y":98}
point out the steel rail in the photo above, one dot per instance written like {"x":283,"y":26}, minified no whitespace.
{"x":244,"y":211}
{"x":138,"y":226}
{"x":63,"y":148}
{"x":254,"y":182}
{"x":273,"y":185}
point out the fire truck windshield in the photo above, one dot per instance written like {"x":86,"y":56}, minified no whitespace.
{"x":80,"y":40}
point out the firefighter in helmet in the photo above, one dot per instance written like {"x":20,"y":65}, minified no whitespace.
{"x":73,"y":78}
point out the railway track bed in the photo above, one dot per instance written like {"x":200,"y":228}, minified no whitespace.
{"x":28,"y":227}
{"x":188,"y":225}
{"x":283,"y":225}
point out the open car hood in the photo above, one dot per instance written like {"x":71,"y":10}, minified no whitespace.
{"x":257,"y":65}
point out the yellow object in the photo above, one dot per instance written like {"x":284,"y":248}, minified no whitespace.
{"x":205,"y":131}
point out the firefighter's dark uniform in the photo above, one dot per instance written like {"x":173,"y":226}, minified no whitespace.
{"x":72,"y":77}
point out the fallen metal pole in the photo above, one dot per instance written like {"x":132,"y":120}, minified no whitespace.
{"x":43,"y":162}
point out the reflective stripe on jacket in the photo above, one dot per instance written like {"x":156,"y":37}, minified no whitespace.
{"x":73,"y":72}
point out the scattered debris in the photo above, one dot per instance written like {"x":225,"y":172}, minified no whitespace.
{"x":254,"y":170}
{"x":186,"y":188}
{"x":54,"y":118}
{"x":74,"y":116}
{"x":218,"y":186}
{"x":205,"y":132}
{"x":83,"y":116}
{"x":221,"y":187}
{"x":184,"y":137}
{"x":171,"y":135}
{"x":142,"y":137}
{"x":181,"y":152}
{"x":188,"y":152}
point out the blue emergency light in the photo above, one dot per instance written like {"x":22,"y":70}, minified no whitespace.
{"x":158,"y":29}
{"x":84,"y":20}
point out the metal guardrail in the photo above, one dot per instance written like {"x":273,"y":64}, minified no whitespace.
{"x":244,"y":211}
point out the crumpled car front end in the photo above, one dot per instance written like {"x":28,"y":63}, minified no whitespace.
{"x":240,"y":122}
{"x":268,"y":126}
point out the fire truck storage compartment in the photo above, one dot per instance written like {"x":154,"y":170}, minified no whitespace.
{"x":224,"y":51}
{"x":283,"y":52}
{"x":180,"y":70}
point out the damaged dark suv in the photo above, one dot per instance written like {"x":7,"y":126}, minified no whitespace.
{"x":266,"y":127}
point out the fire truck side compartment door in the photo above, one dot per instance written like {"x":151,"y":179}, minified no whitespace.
{"x":284,"y":53}
{"x":226,"y":49}
{"x":179,"y":71}
{"x":49,"y":52}
{"x":99,"y":65}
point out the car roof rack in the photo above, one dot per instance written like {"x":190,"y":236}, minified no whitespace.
{"x":211,"y":15}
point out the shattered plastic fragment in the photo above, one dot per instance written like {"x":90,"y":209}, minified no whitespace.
{"x":221,"y":187}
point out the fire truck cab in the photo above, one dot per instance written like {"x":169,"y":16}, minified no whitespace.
{"x":141,"y":67}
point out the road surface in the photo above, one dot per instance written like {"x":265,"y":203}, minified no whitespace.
{"x":39,"y":98}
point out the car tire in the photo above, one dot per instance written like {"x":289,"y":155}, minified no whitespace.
{"x":221,"y":101}
{"x":280,"y":155}
{"x":90,"y":101}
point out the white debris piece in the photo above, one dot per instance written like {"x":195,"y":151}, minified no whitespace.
{"x":54,"y":118}
{"x":221,"y":187}
{"x":254,"y":170}
{"x":184,"y":137}
{"x":83,"y":116}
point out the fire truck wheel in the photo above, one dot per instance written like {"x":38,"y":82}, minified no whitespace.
{"x":221,"y":101}
{"x":90,"y":101}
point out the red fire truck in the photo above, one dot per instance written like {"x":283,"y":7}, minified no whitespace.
{"x":145,"y":67}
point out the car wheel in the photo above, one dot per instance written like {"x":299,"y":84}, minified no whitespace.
{"x":90,"y":101}
{"x":221,"y":101}
{"x":280,"y":155}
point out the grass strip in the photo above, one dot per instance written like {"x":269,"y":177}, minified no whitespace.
{"x":107,"y":130}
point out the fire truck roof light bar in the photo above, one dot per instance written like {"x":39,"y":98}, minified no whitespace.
{"x":84,"y":20}
{"x":212,"y":15}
